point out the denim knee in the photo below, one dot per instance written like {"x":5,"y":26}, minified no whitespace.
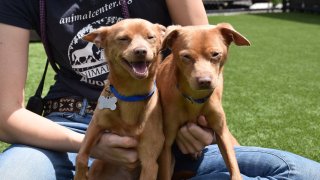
{"x":277,"y":164}
{"x":28,"y":163}
{"x":258,"y":163}
{"x":301,"y":168}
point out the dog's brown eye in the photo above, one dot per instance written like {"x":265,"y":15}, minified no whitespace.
{"x":186,"y":58}
{"x":215,"y":57}
{"x":215,"y":54}
{"x":123,"y":38}
{"x":151,"y":37}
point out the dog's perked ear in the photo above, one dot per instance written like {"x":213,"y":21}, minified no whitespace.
{"x":97,"y":37}
{"x":231,"y":35}
{"x":170,"y":35}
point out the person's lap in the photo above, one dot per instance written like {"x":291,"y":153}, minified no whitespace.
{"x":255,"y":163}
{"x":24,"y":162}
{"x":29,"y":163}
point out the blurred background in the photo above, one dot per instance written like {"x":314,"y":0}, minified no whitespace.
{"x":262,"y":5}
{"x":250,"y":6}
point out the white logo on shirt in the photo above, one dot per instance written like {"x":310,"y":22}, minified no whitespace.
{"x":85,"y":58}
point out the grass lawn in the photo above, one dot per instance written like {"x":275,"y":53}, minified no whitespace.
{"x":272,"y":88}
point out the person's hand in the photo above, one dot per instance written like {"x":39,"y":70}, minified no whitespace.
{"x":119,"y":150}
{"x":192,"y":137}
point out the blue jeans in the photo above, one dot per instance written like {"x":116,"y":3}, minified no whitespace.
{"x":21,"y":162}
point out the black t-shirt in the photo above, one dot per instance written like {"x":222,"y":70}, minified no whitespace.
{"x":83,"y":66}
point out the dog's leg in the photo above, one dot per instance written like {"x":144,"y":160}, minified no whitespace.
{"x":150,"y":147}
{"x":98,"y":168}
{"x":93,"y":134}
{"x":165,"y":163}
{"x":228,"y":153}
{"x":217,"y":121}
{"x":149,"y":167}
{"x":166,"y":157}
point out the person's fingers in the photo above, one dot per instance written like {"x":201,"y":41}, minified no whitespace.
{"x":190,"y":142}
{"x":123,"y":147}
{"x":117,"y":149}
{"x":204,"y":136}
{"x":127,"y":157}
{"x":204,"y":123}
{"x":180,"y":143}
{"x":114,"y":140}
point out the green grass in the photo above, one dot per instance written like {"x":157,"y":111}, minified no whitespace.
{"x":37,"y":61}
{"x":272,"y":88}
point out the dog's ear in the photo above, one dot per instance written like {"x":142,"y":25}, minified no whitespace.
{"x":231,"y":35}
{"x":161,"y":29}
{"x":97,"y":37}
{"x":170,"y":35}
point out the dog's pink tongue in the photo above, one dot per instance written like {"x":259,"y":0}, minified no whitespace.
{"x":140,"y":67}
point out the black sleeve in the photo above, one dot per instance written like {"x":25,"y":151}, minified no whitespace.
{"x":20,"y":13}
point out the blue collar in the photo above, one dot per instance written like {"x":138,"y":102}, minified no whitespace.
{"x":132,"y":98}
{"x":192,"y":100}
{"x":198,"y":101}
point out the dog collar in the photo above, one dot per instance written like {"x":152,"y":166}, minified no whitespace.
{"x":132,"y":98}
{"x":193,"y":100}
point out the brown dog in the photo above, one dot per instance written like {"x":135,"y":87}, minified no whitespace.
{"x":190,"y":83}
{"x":129,"y":105}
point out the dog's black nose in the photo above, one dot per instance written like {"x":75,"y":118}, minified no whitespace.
{"x":204,"y":82}
{"x":140,"y":51}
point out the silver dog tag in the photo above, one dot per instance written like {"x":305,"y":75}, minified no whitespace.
{"x":107,"y":102}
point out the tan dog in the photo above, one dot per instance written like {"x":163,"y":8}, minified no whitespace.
{"x":129,"y":106}
{"x":190,"y":83}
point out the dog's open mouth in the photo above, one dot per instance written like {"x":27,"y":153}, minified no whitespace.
{"x":138,"y":68}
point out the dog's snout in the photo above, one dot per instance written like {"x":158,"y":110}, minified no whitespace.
{"x":204,"y":82}
{"x":140,"y":51}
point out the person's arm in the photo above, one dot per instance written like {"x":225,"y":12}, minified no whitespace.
{"x":19,"y":125}
{"x":187,"y":12}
